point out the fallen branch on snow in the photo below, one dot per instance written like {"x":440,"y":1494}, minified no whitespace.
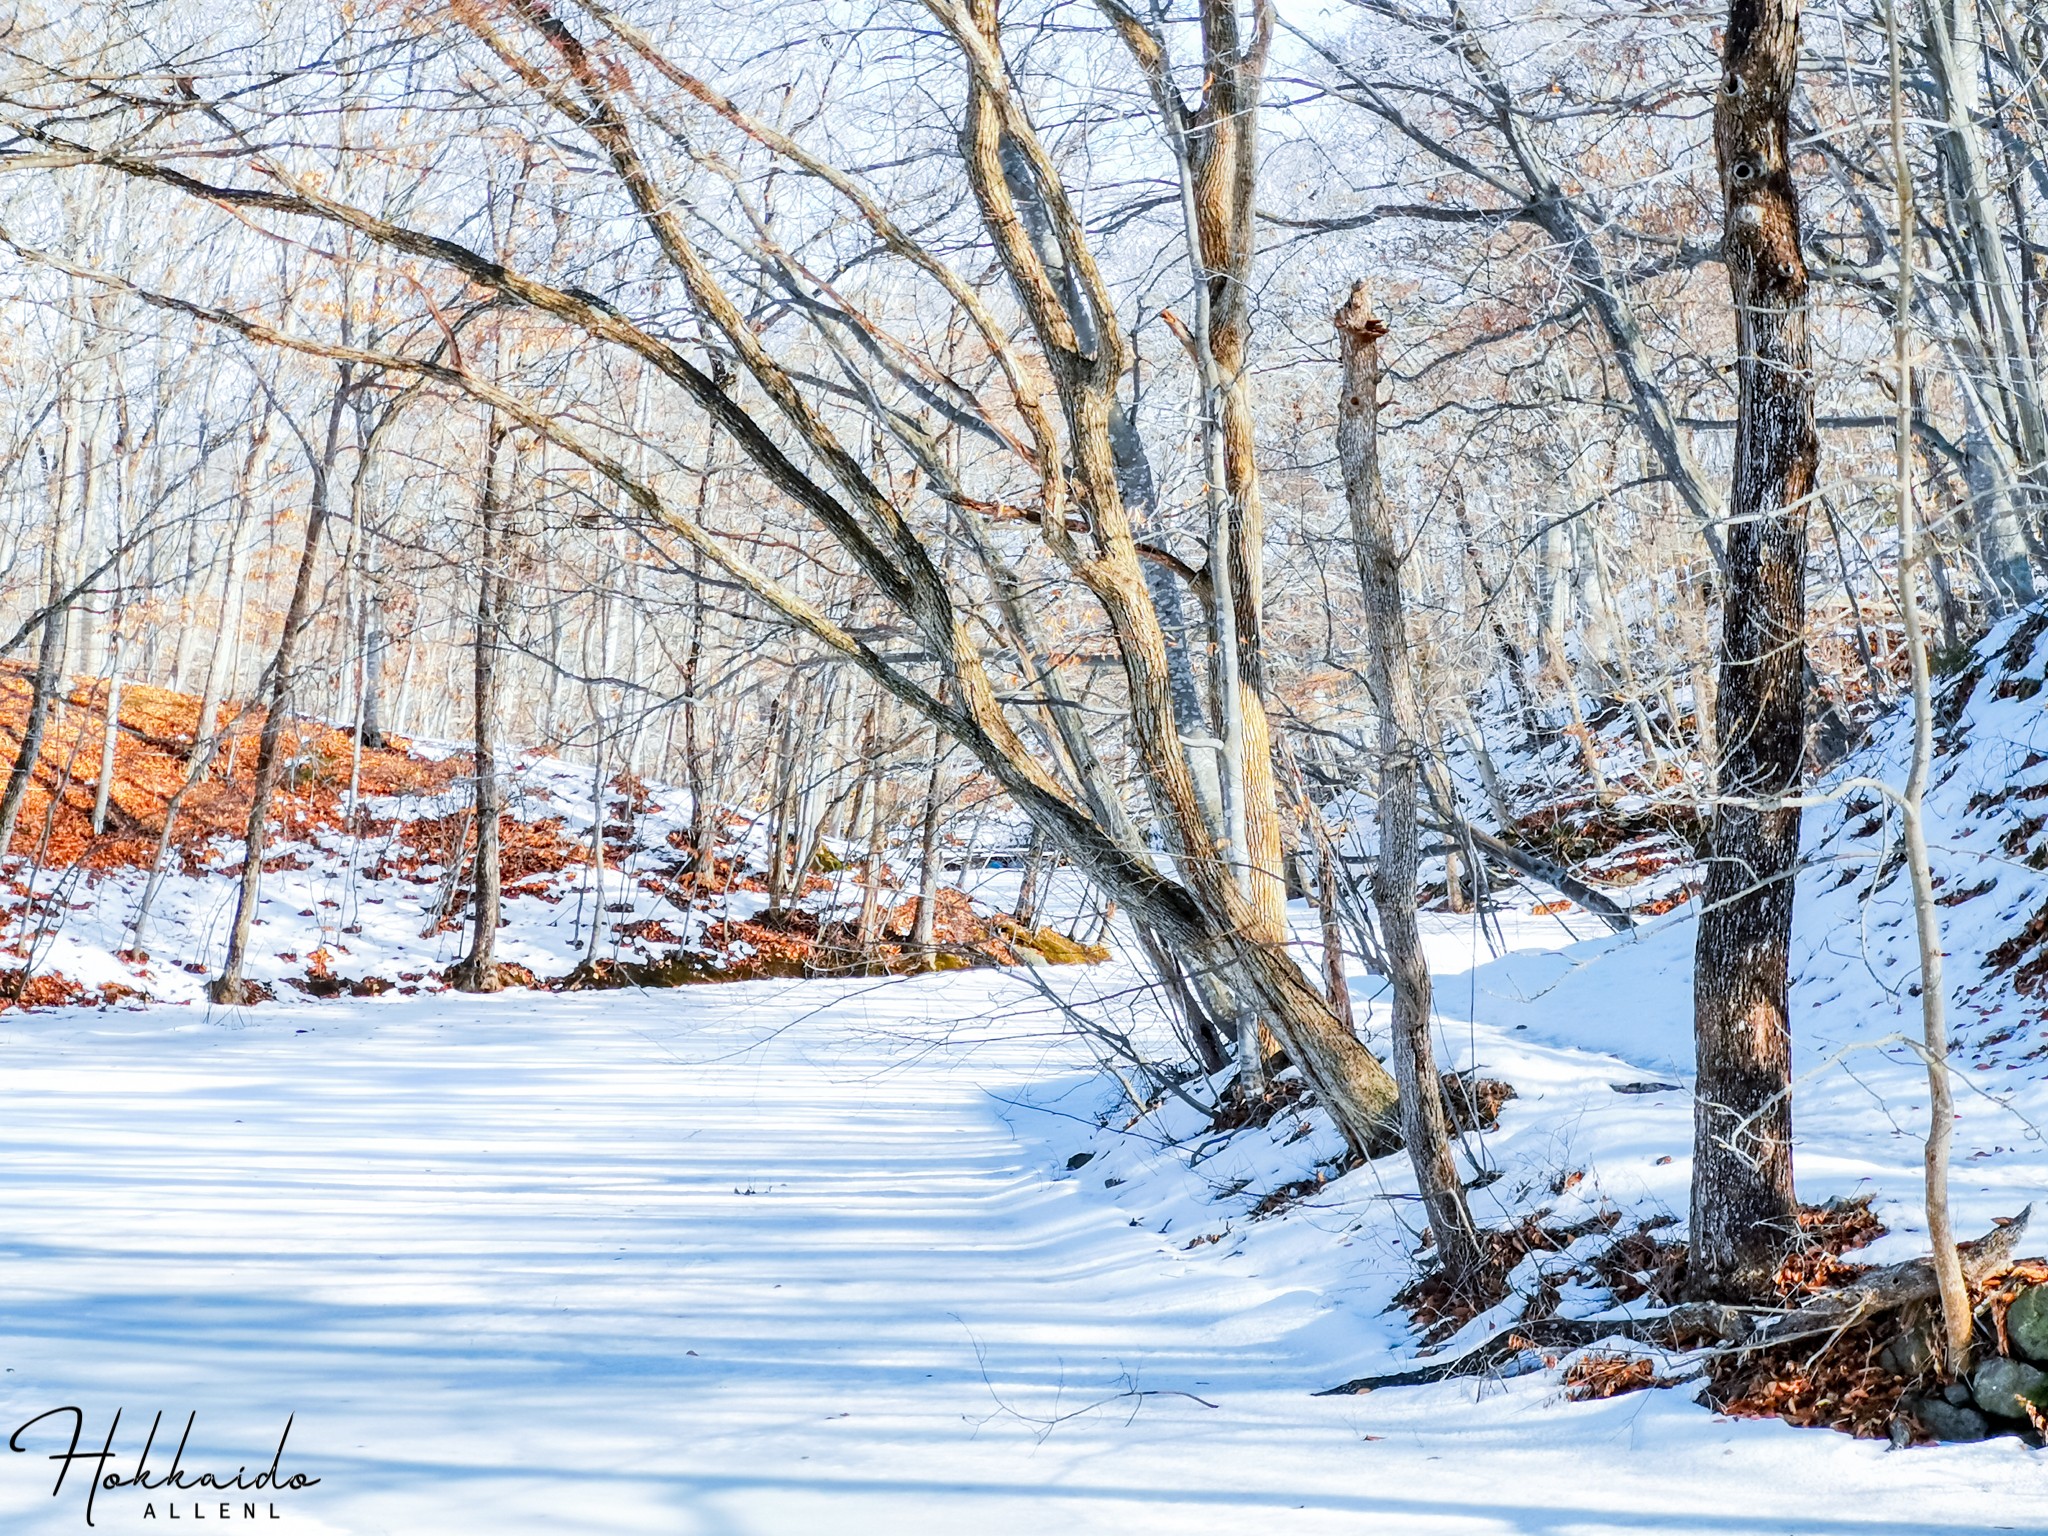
{"x":1735,"y":1328}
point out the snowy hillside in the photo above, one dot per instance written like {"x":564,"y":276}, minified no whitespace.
{"x":1594,"y":1036}
{"x":368,"y":890}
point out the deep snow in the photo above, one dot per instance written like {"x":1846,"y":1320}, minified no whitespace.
{"x":790,"y":1257}
{"x":798,"y":1256}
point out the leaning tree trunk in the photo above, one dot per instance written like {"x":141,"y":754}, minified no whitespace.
{"x":42,"y":689}
{"x":1424,"y":1125}
{"x":478,"y":970}
{"x":1743,"y":1212}
{"x":229,"y":987}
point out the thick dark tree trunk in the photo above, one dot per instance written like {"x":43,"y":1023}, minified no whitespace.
{"x":228,"y":987}
{"x":1743,"y":1212}
{"x":1424,"y":1125}
{"x":478,"y":970}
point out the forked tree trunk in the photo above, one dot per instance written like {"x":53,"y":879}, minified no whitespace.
{"x":229,"y":987}
{"x":1743,"y":1212}
{"x":478,"y":970}
{"x":1424,"y":1124}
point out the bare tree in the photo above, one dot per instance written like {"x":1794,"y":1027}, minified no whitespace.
{"x":1424,"y":1125}
{"x":1743,"y":1210}
{"x":477,"y":971}
{"x":229,"y":986}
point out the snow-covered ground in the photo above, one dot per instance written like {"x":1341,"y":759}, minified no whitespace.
{"x":799,"y":1257}
{"x":899,"y":1254}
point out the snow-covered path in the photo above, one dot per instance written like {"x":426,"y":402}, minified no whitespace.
{"x":774,"y":1258}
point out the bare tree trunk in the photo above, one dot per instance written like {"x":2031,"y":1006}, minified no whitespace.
{"x":1335,"y":982}
{"x":229,"y":987}
{"x":1957,"y":1318}
{"x":696,"y":775}
{"x":370,"y":733}
{"x":1025,"y":912}
{"x":1954,"y":57}
{"x":478,"y":970}
{"x":220,"y":663}
{"x":1424,"y":1124}
{"x":110,"y":734}
{"x":1743,"y":1210}
{"x":924,"y":924}
{"x":43,"y":688}
{"x":869,"y":926}
{"x":782,"y":770}
{"x":49,"y":673}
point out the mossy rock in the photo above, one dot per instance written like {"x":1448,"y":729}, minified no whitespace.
{"x":2026,"y":1323}
{"x":950,"y":962}
{"x":2004,"y":1388}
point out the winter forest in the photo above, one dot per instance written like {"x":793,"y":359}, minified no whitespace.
{"x":1018,"y":765}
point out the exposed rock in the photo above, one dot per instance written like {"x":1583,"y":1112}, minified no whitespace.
{"x":1945,"y":1421}
{"x":1909,"y":1354}
{"x":2000,"y":1386}
{"x":2026,"y":1324}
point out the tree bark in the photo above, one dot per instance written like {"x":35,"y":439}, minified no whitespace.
{"x":371,"y":731}
{"x":1957,"y":1318}
{"x":1025,"y":912}
{"x":923,"y":925}
{"x":110,"y":731}
{"x":229,"y":987}
{"x":43,"y":688}
{"x":1743,"y":1210}
{"x":1424,"y":1125}
{"x":478,"y":970}
{"x":868,"y":926}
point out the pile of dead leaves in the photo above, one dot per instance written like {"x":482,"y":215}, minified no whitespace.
{"x":1598,"y":1374}
{"x":1844,"y":1386}
{"x":53,"y":989}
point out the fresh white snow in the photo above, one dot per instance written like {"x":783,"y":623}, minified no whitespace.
{"x":791,"y":1257}
{"x":899,"y":1256}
